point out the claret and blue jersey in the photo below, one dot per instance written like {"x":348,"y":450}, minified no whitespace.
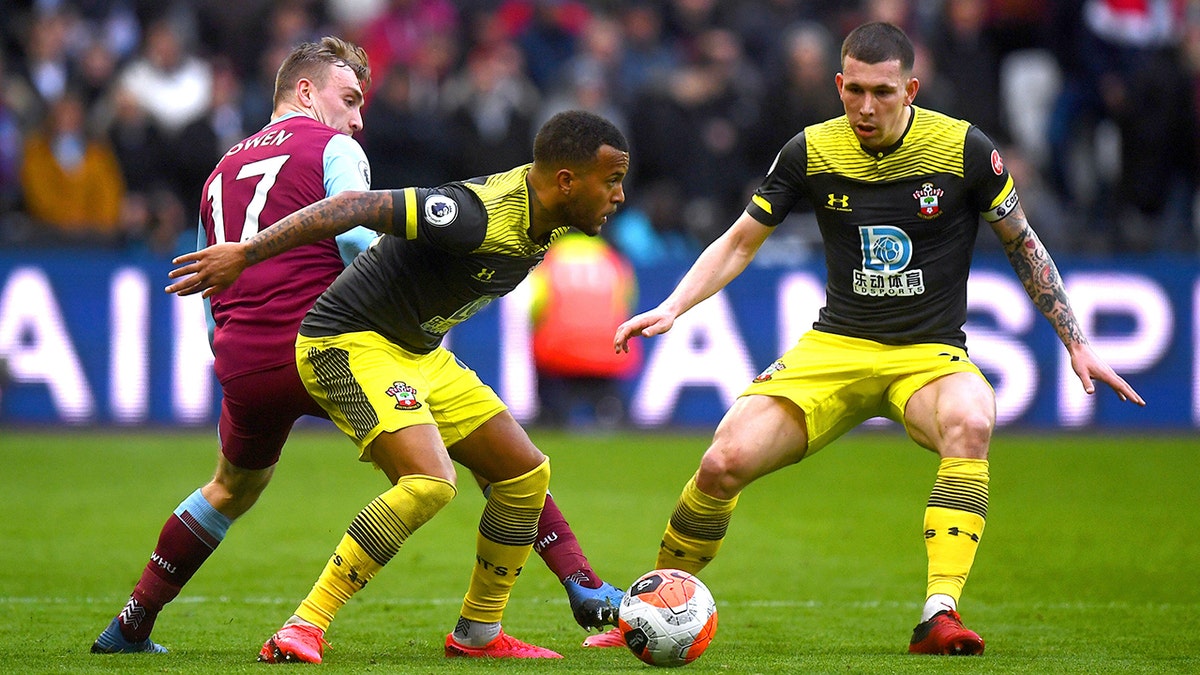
{"x":292,"y":162}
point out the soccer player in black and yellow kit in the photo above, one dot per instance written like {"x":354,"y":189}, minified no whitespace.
{"x":898,"y":191}
{"x":370,"y":353}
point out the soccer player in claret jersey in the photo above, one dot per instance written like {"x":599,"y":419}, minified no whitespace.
{"x":898,"y":192}
{"x":304,"y":154}
{"x":370,"y":351}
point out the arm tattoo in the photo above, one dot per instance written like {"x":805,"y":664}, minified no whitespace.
{"x":1037,"y":272}
{"x":326,"y":218}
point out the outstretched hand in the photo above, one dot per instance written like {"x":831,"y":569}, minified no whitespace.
{"x":1088,"y":366}
{"x":646,"y":324}
{"x":209,"y":270}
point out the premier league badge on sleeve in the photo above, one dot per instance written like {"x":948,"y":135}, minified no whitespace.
{"x":440,"y":210}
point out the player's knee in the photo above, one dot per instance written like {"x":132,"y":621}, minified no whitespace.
{"x":538,"y":480}
{"x":533,"y":483}
{"x":719,"y":474}
{"x":543,"y":475}
{"x":436,"y":492}
{"x":221,"y":499}
{"x":416,"y":498}
{"x":233,"y":497}
{"x":969,"y":433}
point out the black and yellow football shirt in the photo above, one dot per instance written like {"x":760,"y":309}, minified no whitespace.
{"x":456,"y":248}
{"x":898,"y":225}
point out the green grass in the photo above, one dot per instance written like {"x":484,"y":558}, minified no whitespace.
{"x":1089,"y":564}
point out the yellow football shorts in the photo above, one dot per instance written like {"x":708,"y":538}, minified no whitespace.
{"x":840,"y":382}
{"x":369,"y":385}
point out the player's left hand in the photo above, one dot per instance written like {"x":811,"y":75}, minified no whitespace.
{"x":209,"y":270}
{"x":1089,"y":366}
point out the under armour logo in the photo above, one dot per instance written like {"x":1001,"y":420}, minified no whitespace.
{"x":836,"y":202}
{"x":485,"y":274}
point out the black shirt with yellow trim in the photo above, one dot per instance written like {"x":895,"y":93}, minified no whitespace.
{"x":898,"y":225}
{"x":456,"y":248}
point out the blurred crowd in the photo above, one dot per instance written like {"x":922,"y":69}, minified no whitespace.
{"x":112,"y":112}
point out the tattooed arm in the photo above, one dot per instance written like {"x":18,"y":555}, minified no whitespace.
{"x":1034,"y":267}
{"x":215,"y":268}
{"x":1039,"y":276}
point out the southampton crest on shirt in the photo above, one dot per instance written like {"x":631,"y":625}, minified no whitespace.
{"x":927,"y":201}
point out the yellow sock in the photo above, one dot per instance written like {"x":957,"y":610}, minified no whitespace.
{"x":374,"y":536}
{"x":954,"y":520}
{"x":695,"y":531}
{"x":507,"y":531}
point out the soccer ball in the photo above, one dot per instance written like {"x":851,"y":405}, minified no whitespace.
{"x":668,"y":618}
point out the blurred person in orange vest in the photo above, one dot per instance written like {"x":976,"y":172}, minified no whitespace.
{"x":70,"y":179}
{"x":582,"y":291}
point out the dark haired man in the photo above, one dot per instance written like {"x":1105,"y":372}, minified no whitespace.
{"x":370,"y":353}
{"x":898,"y":191}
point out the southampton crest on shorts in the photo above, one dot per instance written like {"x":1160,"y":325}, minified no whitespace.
{"x":406,"y":396}
{"x":771,"y":370}
{"x":927,"y":201}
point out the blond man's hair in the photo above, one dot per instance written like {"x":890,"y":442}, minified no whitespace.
{"x":311,"y":60}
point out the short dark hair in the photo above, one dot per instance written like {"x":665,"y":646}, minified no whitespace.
{"x":878,"y":42}
{"x":311,"y":60}
{"x":574,"y":136}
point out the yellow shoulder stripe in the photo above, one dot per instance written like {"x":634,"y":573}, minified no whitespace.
{"x":410,"y":213}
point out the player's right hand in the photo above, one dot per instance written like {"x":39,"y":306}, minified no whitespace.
{"x":208,"y":270}
{"x":646,"y":324}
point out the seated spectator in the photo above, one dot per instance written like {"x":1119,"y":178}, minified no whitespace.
{"x":645,"y":58}
{"x":491,"y":108}
{"x":45,"y":63}
{"x":547,"y":32}
{"x":965,"y":55}
{"x":693,"y":132}
{"x":169,"y":82}
{"x":583,"y":87}
{"x":10,"y":146}
{"x":799,"y":94}
{"x":144,"y":158}
{"x":400,"y":33}
{"x":70,"y":180}
{"x":398,"y":126}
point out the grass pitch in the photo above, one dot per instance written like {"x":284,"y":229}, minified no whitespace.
{"x":1089,"y":564}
